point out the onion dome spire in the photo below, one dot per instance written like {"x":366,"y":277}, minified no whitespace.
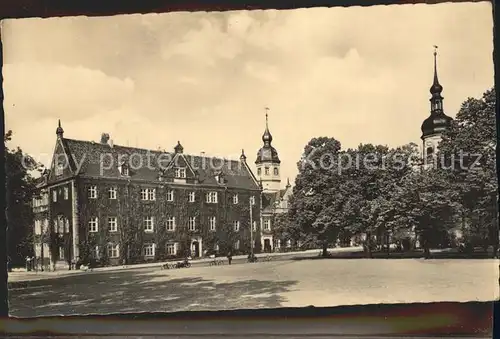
{"x":267,"y":138}
{"x":436,"y":87}
{"x":438,"y":121}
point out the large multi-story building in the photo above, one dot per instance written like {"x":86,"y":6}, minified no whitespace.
{"x":121,"y":204}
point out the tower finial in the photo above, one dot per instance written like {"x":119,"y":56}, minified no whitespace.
{"x":436,"y":87}
{"x":267,"y":137}
{"x":59,"y":130}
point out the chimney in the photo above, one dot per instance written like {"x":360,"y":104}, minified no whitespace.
{"x":104,"y":138}
{"x":111,"y":143}
{"x":202,"y":154}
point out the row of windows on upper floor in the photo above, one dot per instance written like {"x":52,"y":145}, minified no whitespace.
{"x":170,"y":225}
{"x":266,"y":171}
{"x":149,"y":194}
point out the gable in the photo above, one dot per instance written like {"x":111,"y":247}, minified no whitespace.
{"x":62,"y":165}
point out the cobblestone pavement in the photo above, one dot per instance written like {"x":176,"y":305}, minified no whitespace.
{"x":278,"y":283}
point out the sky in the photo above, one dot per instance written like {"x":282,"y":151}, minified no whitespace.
{"x":358,"y":74}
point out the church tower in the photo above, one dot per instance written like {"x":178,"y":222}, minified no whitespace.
{"x":434,"y":126}
{"x":268,"y":163}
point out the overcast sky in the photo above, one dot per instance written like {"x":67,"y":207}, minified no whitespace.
{"x":361,"y":75}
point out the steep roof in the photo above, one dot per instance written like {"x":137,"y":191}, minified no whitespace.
{"x":102,"y":160}
{"x":269,"y":199}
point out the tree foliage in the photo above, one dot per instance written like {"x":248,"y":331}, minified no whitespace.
{"x":375,"y":192}
{"x":20,"y":186}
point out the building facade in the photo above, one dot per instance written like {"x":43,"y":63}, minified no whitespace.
{"x":117,"y":204}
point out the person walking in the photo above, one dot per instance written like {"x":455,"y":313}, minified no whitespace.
{"x":229,"y":257}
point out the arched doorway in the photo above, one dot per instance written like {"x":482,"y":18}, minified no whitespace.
{"x":196,"y":247}
{"x":267,"y":245}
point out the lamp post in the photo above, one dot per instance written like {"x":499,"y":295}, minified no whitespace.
{"x":251,"y":229}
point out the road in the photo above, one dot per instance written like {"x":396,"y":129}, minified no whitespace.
{"x":279,"y":283}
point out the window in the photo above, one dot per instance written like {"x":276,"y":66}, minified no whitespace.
{"x":124,"y":169}
{"x":236,"y":225}
{"x":266,"y":169}
{"x":60,"y":225}
{"x":148,"y":194}
{"x":149,"y":250}
{"x":59,"y":169}
{"x":252,"y":200}
{"x":276,"y":171}
{"x":235,"y":199}
{"x":66,"y":193}
{"x":54,"y":195}
{"x":192,"y":223}
{"x":180,"y":172}
{"x":113,"y":250}
{"x":93,"y":224}
{"x":267,"y":225}
{"x":213,"y":223}
{"x":237,"y":245}
{"x":254,"y":226}
{"x":259,"y":171}
{"x":148,"y":224}
{"x":170,"y":195}
{"x":112,"y":193}
{"x":66,"y":225}
{"x":112,"y":224}
{"x":212,"y":197}
{"x":93,"y":192}
{"x":171,"y":224}
{"x":152,"y":194}
{"x":38,"y":227}
{"x":171,"y":249}
{"x":192,"y":196}
{"x":61,"y":253}
{"x":45,"y":225}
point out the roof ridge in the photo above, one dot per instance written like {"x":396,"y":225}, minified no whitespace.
{"x":152,"y":150}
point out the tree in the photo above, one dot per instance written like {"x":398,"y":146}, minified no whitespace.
{"x":314,"y":206}
{"x":367,"y":185}
{"x":20,"y":186}
{"x":468,"y":159}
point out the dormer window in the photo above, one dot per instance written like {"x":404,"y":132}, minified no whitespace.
{"x":219,"y":177}
{"x":180,"y":172}
{"x":123,"y":168}
{"x":235,"y":199}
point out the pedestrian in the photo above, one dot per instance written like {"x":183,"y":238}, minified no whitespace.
{"x":229,"y":257}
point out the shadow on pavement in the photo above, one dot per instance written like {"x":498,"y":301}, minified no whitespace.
{"x":136,"y":291}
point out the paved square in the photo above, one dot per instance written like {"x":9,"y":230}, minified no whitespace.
{"x":285,"y":283}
